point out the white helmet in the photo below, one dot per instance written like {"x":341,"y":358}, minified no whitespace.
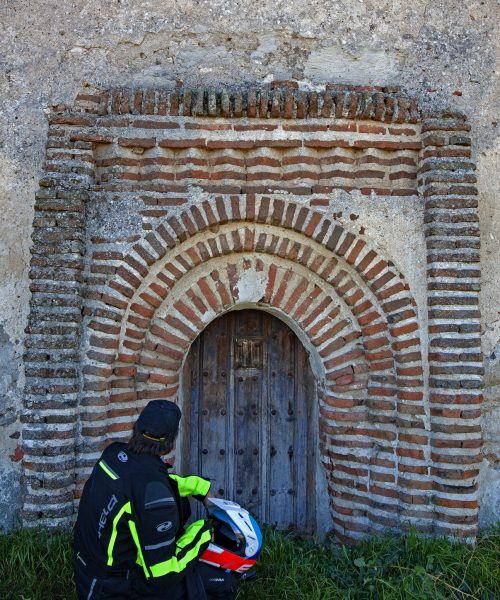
{"x":237,"y":537}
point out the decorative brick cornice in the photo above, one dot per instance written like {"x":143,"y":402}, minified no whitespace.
{"x":348,"y":102}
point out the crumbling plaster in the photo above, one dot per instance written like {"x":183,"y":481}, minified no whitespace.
{"x":444,"y":53}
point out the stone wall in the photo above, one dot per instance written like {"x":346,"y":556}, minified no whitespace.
{"x":440,"y":54}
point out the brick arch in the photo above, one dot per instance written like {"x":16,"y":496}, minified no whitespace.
{"x":364,"y":308}
{"x":307,"y":304}
{"x":333,"y":337}
{"x":351,"y":255}
{"x":362,"y":328}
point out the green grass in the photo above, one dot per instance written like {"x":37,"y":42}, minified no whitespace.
{"x":37,"y":566}
{"x":391,"y":569}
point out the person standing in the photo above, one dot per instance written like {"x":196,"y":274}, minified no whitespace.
{"x":131,"y":540}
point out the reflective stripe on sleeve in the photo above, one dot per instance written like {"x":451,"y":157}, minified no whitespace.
{"x":188,"y":549}
{"x":192,"y":485}
{"x":160,"y":545}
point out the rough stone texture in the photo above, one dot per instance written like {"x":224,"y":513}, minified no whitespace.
{"x":442,"y":53}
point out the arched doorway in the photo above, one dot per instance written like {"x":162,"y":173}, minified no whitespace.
{"x":250,"y":422}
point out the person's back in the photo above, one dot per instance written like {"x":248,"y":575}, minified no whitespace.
{"x":102,"y":534}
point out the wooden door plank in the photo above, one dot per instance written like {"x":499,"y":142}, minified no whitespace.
{"x":305,"y":389}
{"x":282,"y":418}
{"x":247,"y":382}
{"x":213,"y":434}
{"x":190,"y":410}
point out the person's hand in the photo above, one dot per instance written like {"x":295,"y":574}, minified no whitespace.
{"x":209,"y":495}
{"x":212,"y":531}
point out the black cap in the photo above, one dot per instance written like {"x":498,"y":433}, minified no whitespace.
{"x":159,"y":418}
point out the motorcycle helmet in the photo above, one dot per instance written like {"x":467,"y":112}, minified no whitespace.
{"x":237,"y":539}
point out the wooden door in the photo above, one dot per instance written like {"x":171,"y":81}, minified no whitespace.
{"x":248,"y":417}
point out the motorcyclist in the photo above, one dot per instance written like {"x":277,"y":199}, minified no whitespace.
{"x":131,"y":536}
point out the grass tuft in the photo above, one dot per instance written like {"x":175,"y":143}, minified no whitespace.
{"x":35,"y":565}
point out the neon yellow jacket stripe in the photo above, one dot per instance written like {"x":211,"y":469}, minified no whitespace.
{"x":191,"y":485}
{"x":188,"y":549}
{"x":126,"y":508}
{"x":140,"y":558}
{"x":108,"y":470}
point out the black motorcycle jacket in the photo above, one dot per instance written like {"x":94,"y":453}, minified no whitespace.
{"x":132,"y":515}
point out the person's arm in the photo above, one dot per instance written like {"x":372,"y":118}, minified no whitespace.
{"x":193,"y":485}
{"x":162,"y":555}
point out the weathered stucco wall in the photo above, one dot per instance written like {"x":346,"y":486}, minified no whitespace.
{"x":442,"y":53}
